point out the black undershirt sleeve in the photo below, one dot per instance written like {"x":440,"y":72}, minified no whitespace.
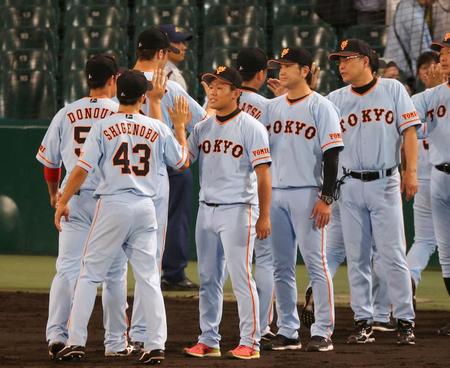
{"x":330,"y":170}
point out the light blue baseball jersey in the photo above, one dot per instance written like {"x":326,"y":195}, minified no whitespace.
{"x":423,"y":163}
{"x":372,"y":124}
{"x":130,"y":151}
{"x":254,"y":104}
{"x":173,"y":89}
{"x":228,"y":153}
{"x":67,"y":133}
{"x":299,"y":134}
{"x":435,"y":103}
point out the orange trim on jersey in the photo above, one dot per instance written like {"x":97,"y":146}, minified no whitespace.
{"x":304,"y":98}
{"x":182,"y":157}
{"x":226,"y":121}
{"x":260,"y":158}
{"x":325,"y":145}
{"x":247,"y":261}
{"x":325,"y":271}
{"x":48,"y":161}
{"x":365,"y":93}
{"x":409,"y":121}
{"x":84,"y":162}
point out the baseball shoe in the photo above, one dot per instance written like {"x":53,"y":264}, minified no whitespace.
{"x":201,"y":351}
{"x":123,"y":353}
{"x":267,"y":337}
{"x":444,"y":331}
{"x":153,"y":357}
{"x":405,"y":333}
{"x":319,"y":343}
{"x":138,"y":347}
{"x":362,"y":333}
{"x":414,"y":302}
{"x":243,"y":352}
{"x":280,"y":342}
{"x":384,"y":326}
{"x":307,"y":315}
{"x":71,"y":352}
{"x":183,"y":285}
{"x":54,"y":348}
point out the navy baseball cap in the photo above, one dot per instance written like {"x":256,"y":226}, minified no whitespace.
{"x":225,"y":74}
{"x":292,"y":55}
{"x":351,"y":47}
{"x":132,"y":84}
{"x":251,"y":59}
{"x":437,"y":46}
{"x":175,"y":34}
{"x":155,"y":39}
{"x":100,"y":67}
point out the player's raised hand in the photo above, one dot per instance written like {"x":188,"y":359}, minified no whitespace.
{"x":61,"y":210}
{"x":321,"y":213}
{"x":275,"y":87}
{"x":180,"y":114}
{"x":263,"y":227}
{"x":159,"y":82}
{"x":409,"y":184}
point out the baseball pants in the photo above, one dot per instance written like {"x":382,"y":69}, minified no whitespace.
{"x":291,"y":225}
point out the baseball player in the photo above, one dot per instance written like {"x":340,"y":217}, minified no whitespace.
{"x":128,"y":149}
{"x":62,"y":144}
{"x":304,"y":130}
{"x":434,"y":103}
{"x":375,"y":113}
{"x":152,"y":54}
{"x":252,"y":65}
{"x":234,"y":157}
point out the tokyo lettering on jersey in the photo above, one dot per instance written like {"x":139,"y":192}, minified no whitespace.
{"x":253,"y":103}
{"x":67,"y":133}
{"x":372,"y":124}
{"x":299,"y":134}
{"x":423,"y":162}
{"x":130,"y":151}
{"x":434,"y":104}
{"x":228,"y":153}
{"x":173,"y":90}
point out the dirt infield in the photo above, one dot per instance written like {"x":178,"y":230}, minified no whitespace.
{"x":23,"y":318}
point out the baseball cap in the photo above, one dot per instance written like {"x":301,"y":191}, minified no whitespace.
{"x":251,"y":59}
{"x":132,"y":84}
{"x":351,"y":47}
{"x":225,"y":74}
{"x":437,"y":46}
{"x":100,"y":67}
{"x":154,"y":39}
{"x":292,"y":55}
{"x":175,"y":34}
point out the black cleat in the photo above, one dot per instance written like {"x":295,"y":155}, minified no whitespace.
{"x":54,"y":348}
{"x":405,"y":333}
{"x":444,"y":331}
{"x":153,"y":357}
{"x":138,"y":347}
{"x":267,"y":337}
{"x":319,"y":343}
{"x":384,"y":326}
{"x":123,"y":353}
{"x":71,"y":352}
{"x":362,"y":333}
{"x":280,"y":342}
{"x":183,"y":285}
{"x":307,"y":315}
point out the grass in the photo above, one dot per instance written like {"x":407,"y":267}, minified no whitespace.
{"x":35,"y":273}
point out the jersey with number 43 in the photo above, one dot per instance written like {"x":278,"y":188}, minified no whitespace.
{"x":130,"y":151}
{"x":67,"y":133}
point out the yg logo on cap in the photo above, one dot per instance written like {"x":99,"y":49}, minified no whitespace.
{"x":284,"y":52}
{"x":221,"y":69}
{"x":344,"y":44}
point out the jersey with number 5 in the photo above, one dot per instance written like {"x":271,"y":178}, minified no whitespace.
{"x":131,"y":151}
{"x":68,"y":131}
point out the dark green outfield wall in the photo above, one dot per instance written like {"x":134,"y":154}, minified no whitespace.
{"x":26,"y":219}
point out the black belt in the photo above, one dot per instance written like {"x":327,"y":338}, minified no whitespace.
{"x":370,"y":175}
{"x":444,"y":168}
{"x":212,"y":204}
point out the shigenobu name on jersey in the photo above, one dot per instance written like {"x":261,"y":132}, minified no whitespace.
{"x":440,"y":112}
{"x":221,"y":146}
{"x":131,"y":129}
{"x":88,"y":113}
{"x":293,"y":127}
{"x":374,"y":115}
{"x":252,"y":110}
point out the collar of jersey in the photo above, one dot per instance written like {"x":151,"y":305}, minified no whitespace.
{"x":299,"y":99}
{"x":231,"y":117}
{"x":368,"y":91}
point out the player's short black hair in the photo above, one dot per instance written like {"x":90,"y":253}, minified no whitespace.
{"x":248,"y":76}
{"x":94,"y":84}
{"x":426,"y":58}
{"x":128,"y":101}
{"x":147,"y":54}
